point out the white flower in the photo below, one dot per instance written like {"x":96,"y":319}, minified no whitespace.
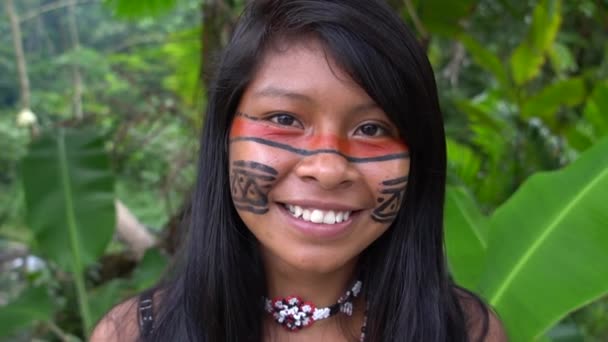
{"x":26,"y":118}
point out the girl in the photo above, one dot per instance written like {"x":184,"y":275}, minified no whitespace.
{"x":318,"y":208}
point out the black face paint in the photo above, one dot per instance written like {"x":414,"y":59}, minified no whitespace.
{"x":249,"y":183}
{"x":305,"y":152}
{"x":394,"y":192}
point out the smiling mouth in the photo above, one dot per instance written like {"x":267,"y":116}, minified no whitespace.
{"x":317,"y":215}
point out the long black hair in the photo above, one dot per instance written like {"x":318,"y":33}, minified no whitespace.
{"x":213,"y":294}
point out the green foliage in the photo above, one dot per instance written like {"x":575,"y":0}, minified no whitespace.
{"x":149,"y":270}
{"x":530,"y":55}
{"x":550,"y":220}
{"x":485,"y":59}
{"x":544,"y":105}
{"x":71,"y":209}
{"x":527,"y":276}
{"x":596,"y":110}
{"x":444,"y":16}
{"x":522,"y":85}
{"x":464,"y":163}
{"x":32,"y":306}
{"x":528,"y":107}
{"x":13,"y":144}
{"x":182,"y":54}
{"x":137,"y":9}
{"x":466,"y":237}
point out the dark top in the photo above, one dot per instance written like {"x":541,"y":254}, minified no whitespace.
{"x":146,"y":313}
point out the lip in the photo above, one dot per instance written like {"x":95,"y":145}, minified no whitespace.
{"x":319,"y":231}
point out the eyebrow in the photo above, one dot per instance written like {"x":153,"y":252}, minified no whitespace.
{"x":272,"y":91}
{"x":279,"y":92}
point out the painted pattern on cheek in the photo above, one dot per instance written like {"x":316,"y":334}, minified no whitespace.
{"x":393,"y":192}
{"x":247,"y":128}
{"x":249,"y":184}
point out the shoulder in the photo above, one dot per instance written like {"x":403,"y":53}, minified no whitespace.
{"x":120,"y":324}
{"x":483,"y":323}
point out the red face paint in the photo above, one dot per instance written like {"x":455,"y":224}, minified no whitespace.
{"x":245,"y":128}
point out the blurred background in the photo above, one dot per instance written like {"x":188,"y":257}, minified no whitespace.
{"x":101,"y":106}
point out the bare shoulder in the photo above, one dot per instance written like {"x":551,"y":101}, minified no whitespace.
{"x":482,"y":322}
{"x":120,"y":324}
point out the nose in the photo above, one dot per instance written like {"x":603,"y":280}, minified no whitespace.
{"x":330,"y":170}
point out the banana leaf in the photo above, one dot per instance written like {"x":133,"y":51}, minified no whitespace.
{"x":69,"y":196}
{"x":548,"y":247}
{"x":466,"y":237}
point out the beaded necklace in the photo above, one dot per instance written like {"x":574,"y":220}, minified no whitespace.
{"x":295,"y":314}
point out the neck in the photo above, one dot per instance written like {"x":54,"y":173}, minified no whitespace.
{"x":321,"y":288}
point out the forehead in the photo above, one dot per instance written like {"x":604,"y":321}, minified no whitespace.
{"x":304,"y":67}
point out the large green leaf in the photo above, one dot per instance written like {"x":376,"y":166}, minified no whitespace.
{"x":69,"y":196}
{"x":69,"y":192}
{"x":32,"y":306}
{"x":529,"y":56}
{"x":466,"y":237}
{"x":548,"y":246}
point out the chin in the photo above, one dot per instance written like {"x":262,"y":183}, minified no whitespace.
{"x":319,"y":262}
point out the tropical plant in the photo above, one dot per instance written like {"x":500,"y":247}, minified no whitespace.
{"x":69,"y":196}
{"x":523,"y":86}
{"x":540,"y":255}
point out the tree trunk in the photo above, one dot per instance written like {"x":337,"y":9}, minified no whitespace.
{"x":24,"y":82}
{"x":76,"y":76}
{"x":132,"y":232}
{"x":217,"y":22}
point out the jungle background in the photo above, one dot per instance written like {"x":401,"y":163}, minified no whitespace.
{"x":101,"y":105}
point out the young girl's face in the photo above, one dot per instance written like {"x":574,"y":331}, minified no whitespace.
{"x":317,"y":170}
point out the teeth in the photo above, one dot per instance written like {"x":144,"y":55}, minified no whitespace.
{"x":339,"y":216}
{"x":318,"y":215}
{"x":306,"y":215}
{"x":329,"y":218}
{"x":298,"y":211}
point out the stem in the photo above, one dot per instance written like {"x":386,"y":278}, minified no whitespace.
{"x":411,"y":10}
{"x":57,"y":331}
{"x":77,"y":268}
{"x":24,"y":81}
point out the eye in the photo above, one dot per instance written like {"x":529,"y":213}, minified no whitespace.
{"x":372,"y":130}
{"x":284,"y":119}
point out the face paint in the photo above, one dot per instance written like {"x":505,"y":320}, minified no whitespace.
{"x":250,"y":182}
{"x":248,"y":128}
{"x":316,"y":175}
{"x":394,"y":191}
